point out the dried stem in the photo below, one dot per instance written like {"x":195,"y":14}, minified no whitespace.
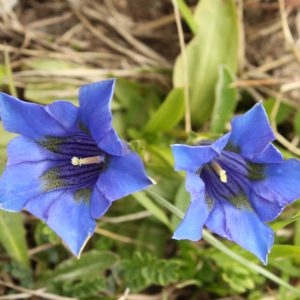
{"x":281,"y":139}
{"x":286,"y":30}
{"x":188,"y":126}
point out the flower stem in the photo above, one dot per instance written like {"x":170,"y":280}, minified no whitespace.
{"x":221,"y":247}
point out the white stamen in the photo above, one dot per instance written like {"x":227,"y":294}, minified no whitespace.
{"x":87,"y":160}
{"x":223,"y":176}
{"x":221,"y":172}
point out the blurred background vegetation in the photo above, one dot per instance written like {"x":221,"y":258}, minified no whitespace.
{"x":236,"y":53}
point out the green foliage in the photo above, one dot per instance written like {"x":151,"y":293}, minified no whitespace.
{"x":86,"y":288}
{"x":169,"y":113}
{"x":186,"y":14}
{"x":12,"y":236}
{"x":12,"y":233}
{"x":215,"y":43}
{"x":93,"y":262}
{"x":284,"y":251}
{"x":238,"y":278}
{"x":143,"y":270}
{"x":225,"y":100}
{"x":283,"y":112}
{"x":137,"y":103}
{"x":297,"y":123}
{"x":2,"y":74}
{"x":139,"y":253}
{"x":84,"y":277}
{"x":145,"y":201}
{"x":19,"y":272}
{"x":182,"y":200}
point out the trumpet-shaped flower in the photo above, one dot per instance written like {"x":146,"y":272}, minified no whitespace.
{"x":68,"y":165}
{"x":237,"y":183}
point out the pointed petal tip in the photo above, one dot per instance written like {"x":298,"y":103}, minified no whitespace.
{"x":125,"y":174}
{"x":151,"y":181}
{"x":78,"y":251}
{"x":103,"y":84}
{"x":252,"y":142}
{"x":178,"y":235}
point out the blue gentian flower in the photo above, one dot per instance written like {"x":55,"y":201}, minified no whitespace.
{"x":68,"y":165}
{"x":237,"y":183}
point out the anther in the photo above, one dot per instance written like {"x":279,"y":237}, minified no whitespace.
{"x":87,"y":160}
{"x":221,"y":172}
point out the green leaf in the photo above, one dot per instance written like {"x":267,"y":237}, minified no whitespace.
{"x":137,"y":102}
{"x":276,"y":225}
{"x":12,"y":236}
{"x":182,"y":201}
{"x":5,"y":136}
{"x":283,"y":111}
{"x":186,"y":15}
{"x":12,"y":233}
{"x":215,"y":43}
{"x":168,"y":114}
{"x":225,"y":101}
{"x":90,"y":263}
{"x":143,"y":270}
{"x":297,"y":123}
{"x":151,"y":207}
{"x":284,"y":251}
{"x":2,"y":73}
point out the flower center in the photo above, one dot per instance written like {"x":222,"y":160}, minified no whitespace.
{"x":77,"y":166}
{"x":238,"y":184}
{"x":75,"y":161}
{"x":221,"y":172}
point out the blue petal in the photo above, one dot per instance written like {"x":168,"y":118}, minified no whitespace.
{"x":269,"y":155}
{"x":65,"y":113}
{"x":242,"y":226}
{"x":20,"y":180}
{"x":98,"y":203}
{"x":266,"y":204}
{"x":192,"y":224}
{"x":191,"y":158}
{"x":194,"y":185}
{"x":19,"y":183}
{"x":279,"y":188}
{"x":71,"y":220}
{"x":112,"y":144}
{"x":29,"y":119}
{"x":123,"y":176}
{"x":95,"y":114}
{"x":251,"y":133}
{"x":22,"y":149}
{"x":39,"y":206}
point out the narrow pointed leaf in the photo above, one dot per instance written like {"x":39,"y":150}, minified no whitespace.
{"x":168,"y":114}
{"x":215,"y":43}
{"x":225,"y":100}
